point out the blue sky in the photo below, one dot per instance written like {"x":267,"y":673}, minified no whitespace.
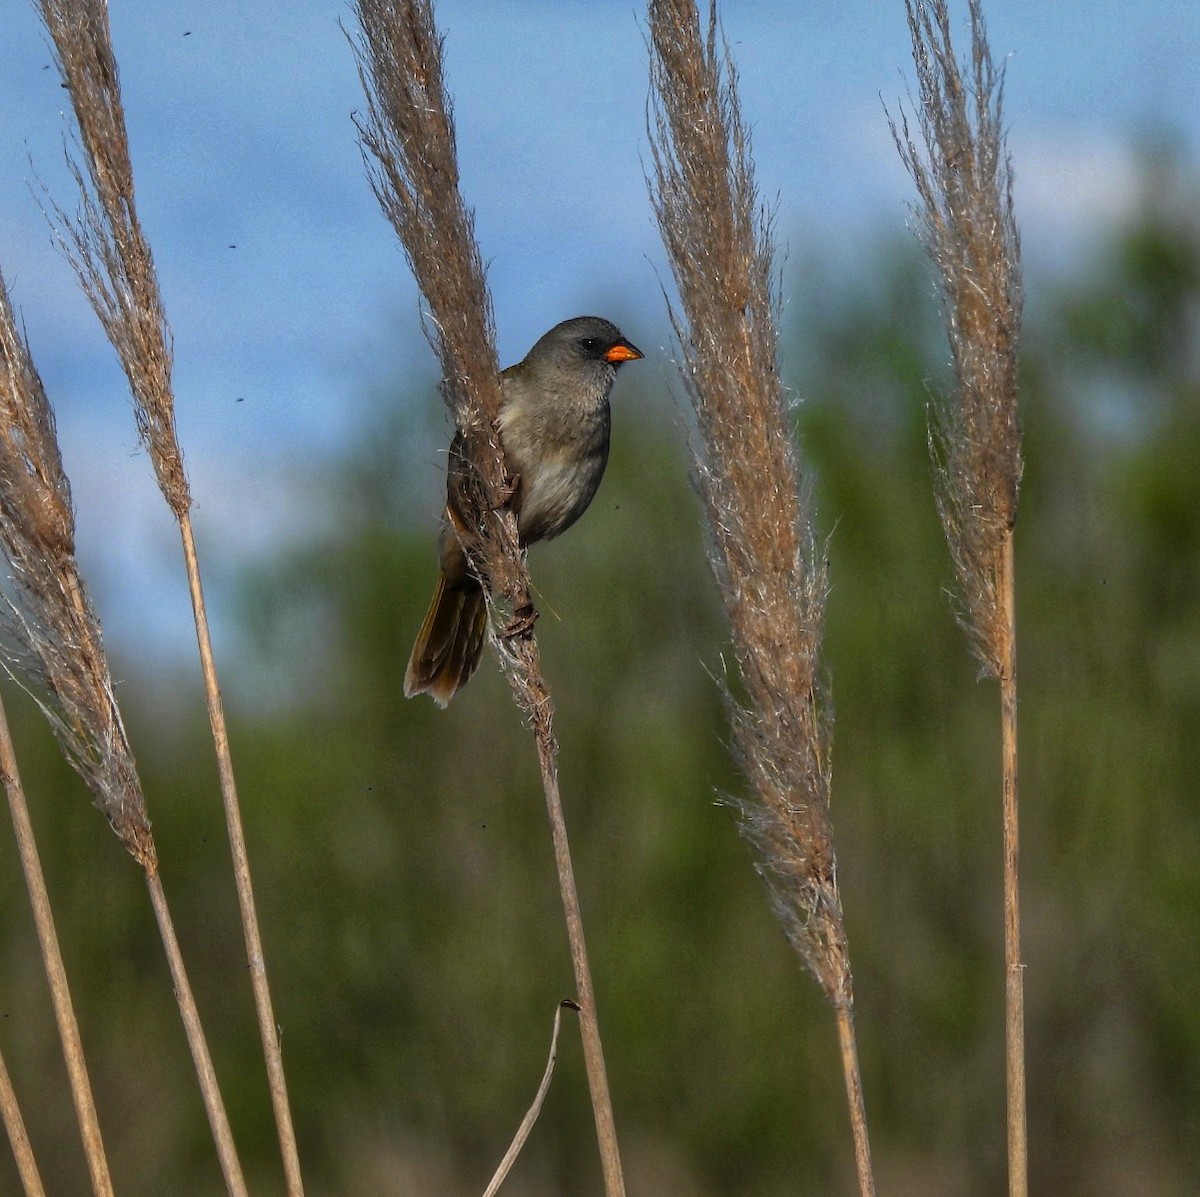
{"x":239,"y":115}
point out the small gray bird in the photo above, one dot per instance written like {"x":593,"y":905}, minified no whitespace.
{"x":554,"y":426}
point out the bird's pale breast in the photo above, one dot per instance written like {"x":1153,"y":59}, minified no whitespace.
{"x":558,"y":491}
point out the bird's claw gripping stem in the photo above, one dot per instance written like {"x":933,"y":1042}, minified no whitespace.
{"x":505,"y":493}
{"x":522,"y":622}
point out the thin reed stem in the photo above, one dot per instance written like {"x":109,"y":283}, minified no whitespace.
{"x":848,"y":1044}
{"x":56,"y":973}
{"x":268,"y":1029}
{"x":1014,"y":968}
{"x":210,"y":1092}
{"x":14,"y":1125}
{"x":589,"y":1023}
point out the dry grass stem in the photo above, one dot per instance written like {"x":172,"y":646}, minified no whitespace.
{"x":54,"y":647}
{"x":768,"y":564}
{"x":965,"y":218}
{"x":56,"y":973}
{"x":231,"y":1167}
{"x":18,"y":1137}
{"x":110,"y":254}
{"x":408,"y":142}
{"x":268,"y":1028}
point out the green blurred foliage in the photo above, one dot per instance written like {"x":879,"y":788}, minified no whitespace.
{"x":404,"y":870}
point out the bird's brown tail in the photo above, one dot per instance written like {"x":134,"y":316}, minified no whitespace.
{"x":450,"y":642}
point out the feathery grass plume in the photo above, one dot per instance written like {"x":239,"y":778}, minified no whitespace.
{"x":32,"y":480}
{"x":53,"y":646}
{"x":408,"y":143}
{"x":112,"y":258}
{"x":763,"y":550}
{"x":54,"y":638}
{"x":965,"y":218}
{"x":105,"y":242}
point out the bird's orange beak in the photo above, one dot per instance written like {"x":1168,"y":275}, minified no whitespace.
{"x":622,"y":351}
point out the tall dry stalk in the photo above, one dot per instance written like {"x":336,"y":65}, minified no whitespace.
{"x":28,"y":447}
{"x":56,"y":973}
{"x":763,"y":550}
{"x":14,"y":1126}
{"x":408,"y":142}
{"x":54,"y":644}
{"x":965,"y":218}
{"x":113,"y":260}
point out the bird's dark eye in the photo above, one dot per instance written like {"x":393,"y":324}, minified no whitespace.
{"x":589,"y":345}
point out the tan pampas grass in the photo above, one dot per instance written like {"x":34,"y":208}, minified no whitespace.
{"x":51,"y":621}
{"x":965,"y":218}
{"x":31,"y":479}
{"x":55,"y":645}
{"x":112,"y":258}
{"x":408,"y":142}
{"x":105,"y":243}
{"x":764,"y":553}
